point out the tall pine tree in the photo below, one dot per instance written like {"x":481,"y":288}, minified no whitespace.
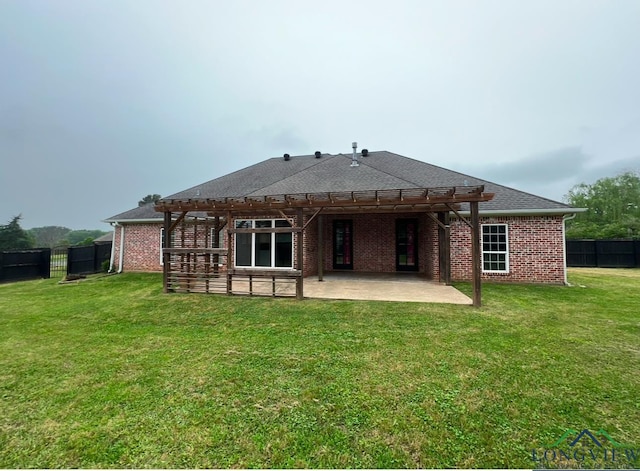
{"x":12,"y":236}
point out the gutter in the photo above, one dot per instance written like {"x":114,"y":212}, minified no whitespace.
{"x":113,"y":246}
{"x":129,"y":221}
{"x":526,"y":212}
{"x":565,"y":218}
{"x":121,"y":249}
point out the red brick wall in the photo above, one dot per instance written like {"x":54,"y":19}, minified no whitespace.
{"x":536,"y":246}
{"x":536,"y":249}
{"x":374,"y":242}
{"x":141,"y":247}
{"x":142,"y":243}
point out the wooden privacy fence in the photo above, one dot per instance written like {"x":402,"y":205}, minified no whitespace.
{"x":17,"y":265}
{"x":87,"y":259}
{"x":609,"y":253}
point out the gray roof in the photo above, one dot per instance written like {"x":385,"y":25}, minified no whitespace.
{"x":146,"y":213}
{"x":141,"y":213}
{"x":380,"y":170}
{"x":108,"y":237}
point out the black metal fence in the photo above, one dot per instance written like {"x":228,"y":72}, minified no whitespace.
{"x":17,"y":265}
{"x":58,"y":266}
{"x":611,"y":253}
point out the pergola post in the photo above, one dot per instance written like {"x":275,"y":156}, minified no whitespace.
{"x":230,"y":264}
{"x":320,"y":247}
{"x":300,"y":254}
{"x":444,"y":247}
{"x":166,"y":243}
{"x":216,"y":243}
{"x":475,"y":254}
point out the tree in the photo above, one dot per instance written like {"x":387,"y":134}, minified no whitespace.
{"x":613,"y":208}
{"x":82,"y":236}
{"x":149,"y":199}
{"x":12,"y":236}
{"x":49,"y":236}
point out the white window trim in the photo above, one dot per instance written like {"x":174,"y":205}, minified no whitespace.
{"x":253,"y":248}
{"x":506,"y":271}
{"x":161,"y":245}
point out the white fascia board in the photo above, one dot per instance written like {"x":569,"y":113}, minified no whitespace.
{"x":133,"y":221}
{"x":526,"y":212}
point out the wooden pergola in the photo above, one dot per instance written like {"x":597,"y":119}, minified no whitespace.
{"x":203,"y":262}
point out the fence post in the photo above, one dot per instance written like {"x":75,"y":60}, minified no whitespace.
{"x":96,"y":268}
{"x":45,"y":263}
{"x":1,"y":263}
{"x":68,"y":259}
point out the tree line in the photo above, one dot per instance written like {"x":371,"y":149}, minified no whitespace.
{"x":14,"y":237}
{"x":613,"y":208}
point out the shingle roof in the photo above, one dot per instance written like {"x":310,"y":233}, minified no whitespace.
{"x":145,"y":213}
{"x":139,"y":214}
{"x":380,"y":170}
{"x":108,"y":237}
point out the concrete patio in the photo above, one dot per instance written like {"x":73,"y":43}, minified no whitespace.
{"x":382,"y":287}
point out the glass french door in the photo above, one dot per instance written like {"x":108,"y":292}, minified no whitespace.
{"x":343,"y":244}
{"x":407,"y":244}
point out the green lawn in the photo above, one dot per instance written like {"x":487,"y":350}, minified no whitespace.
{"x":110,"y":372}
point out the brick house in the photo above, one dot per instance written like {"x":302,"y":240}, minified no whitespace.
{"x":361,"y":212}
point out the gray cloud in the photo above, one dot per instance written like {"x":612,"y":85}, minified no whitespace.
{"x":106,"y":101}
{"x":548,"y":167}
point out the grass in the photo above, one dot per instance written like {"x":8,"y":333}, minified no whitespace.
{"x":112,"y":373}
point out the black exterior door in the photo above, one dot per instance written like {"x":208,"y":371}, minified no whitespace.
{"x":343,"y":244}
{"x":407,"y":244}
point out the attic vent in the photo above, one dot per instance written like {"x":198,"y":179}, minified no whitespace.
{"x":318,"y":154}
{"x":365,"y":152}
{"x":286,"y":157}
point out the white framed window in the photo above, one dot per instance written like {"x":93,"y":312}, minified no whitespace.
{"x":495,"y":248}
{"x":263,"y":250}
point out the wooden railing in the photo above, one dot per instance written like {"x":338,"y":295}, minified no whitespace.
{"x":200,"y":270}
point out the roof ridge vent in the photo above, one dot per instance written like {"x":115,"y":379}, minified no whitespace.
{"x":318,"y":154}
{"x":365,"y":152}
{"x":286,"y":157}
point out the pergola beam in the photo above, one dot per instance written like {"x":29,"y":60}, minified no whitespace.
{"x":368,"y":198}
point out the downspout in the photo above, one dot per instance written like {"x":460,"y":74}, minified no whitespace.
{"x":113,"y":246}
{"x":121,"y":249}
{"x":565,"y":218}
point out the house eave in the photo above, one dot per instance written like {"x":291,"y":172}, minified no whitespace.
{"x":134,"y":221}
{"x":526,"y":212}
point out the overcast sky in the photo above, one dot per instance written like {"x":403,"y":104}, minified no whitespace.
{"x":104,"y":102}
